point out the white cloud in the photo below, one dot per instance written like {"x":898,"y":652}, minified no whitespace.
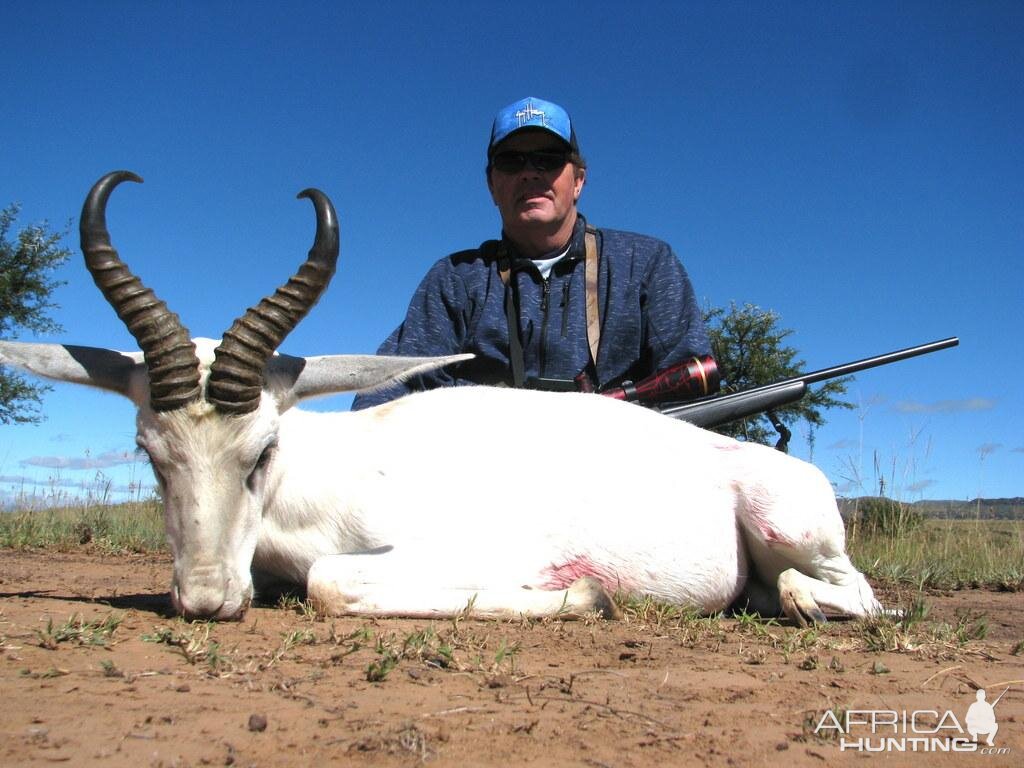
{"x":843,"y":445}
{"x":100,"y":461}
{"x":947,"y":406}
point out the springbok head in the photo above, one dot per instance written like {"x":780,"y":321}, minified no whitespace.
{"x":208,"y":411}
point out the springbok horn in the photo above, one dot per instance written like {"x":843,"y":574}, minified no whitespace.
{"x":236,"y":375}
{"x":169,"y":353}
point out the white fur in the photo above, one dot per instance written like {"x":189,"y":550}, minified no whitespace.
{"x":473,"y":495}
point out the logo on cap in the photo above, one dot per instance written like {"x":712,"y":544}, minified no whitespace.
{"x":529,"y":113}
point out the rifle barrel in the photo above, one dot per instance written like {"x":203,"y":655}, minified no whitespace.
{"x":871,"y":362}
{"x":721,"y":409}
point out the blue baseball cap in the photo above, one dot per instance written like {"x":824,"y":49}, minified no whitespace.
{"x":534,"y":113}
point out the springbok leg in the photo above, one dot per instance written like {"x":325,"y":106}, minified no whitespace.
{"x":345,"y":584}
{"x":846,"y":593}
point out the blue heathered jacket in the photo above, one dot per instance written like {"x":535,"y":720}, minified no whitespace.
{"x":649,"y":316}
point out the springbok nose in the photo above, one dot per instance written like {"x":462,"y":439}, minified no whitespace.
{"x":193,"y":603}
{"x":193,"y":610}
{"x":205,"y":593}
{"x":210,"y":607}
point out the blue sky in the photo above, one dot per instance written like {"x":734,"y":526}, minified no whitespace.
{"x":857,"y":167}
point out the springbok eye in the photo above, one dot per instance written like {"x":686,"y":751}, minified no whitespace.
{"x":265,"y":457}
{"x":260,"y":467}
{"x":144,"y":454}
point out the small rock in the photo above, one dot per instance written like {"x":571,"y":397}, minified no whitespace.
{"x":498,"y":681}
{"x":258,"y":723}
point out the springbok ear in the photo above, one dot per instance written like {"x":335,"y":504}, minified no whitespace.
{"x":301,"y":377}
{"x":120,"y":372}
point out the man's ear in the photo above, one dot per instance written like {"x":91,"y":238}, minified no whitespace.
{"x":490,"y":186}
{"x":581,"y":179}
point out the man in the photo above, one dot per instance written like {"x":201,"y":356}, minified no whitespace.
{"x":555,"y":304}
{"x":981,"y":718}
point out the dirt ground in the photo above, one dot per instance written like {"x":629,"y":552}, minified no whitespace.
{"x":94,"y":671}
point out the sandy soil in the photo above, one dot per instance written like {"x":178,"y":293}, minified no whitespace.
{"x":282,"y":688}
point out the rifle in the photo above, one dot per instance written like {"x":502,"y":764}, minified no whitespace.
{"x":714,"y":411}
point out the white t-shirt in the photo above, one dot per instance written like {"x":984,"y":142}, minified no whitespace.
{"x":546,"y":265}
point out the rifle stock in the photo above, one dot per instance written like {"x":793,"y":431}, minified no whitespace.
{"x":721,"y":409}
{"x":715,"y":411}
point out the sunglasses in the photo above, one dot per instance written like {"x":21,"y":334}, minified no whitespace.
{"x":541,"y":160}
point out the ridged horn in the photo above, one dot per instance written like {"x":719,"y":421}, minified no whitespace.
{"x":236,"y":376}
{"x":169,"y":353}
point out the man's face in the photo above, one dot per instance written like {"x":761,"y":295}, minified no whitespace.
{"x":532,"y":201}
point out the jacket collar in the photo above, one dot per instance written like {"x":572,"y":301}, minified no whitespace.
{"x":577,"y":247}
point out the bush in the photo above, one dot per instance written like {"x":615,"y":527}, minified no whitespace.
{"x":887,"y":517}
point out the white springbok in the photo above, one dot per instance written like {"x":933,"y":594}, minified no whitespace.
{"x":512,"y":502}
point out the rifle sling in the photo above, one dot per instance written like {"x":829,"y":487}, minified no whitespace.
{"x":515,"y":344}
{"x":593,"y":312}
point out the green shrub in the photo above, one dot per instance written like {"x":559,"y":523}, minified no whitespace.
{"x":880,"y":516}
{"x":108,"y":528}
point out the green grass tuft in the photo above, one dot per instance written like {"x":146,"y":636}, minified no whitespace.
{"x":944,"y":554}
{"x":135,"y":526}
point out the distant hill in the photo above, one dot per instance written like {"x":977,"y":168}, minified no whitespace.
{"x":975,"y":509}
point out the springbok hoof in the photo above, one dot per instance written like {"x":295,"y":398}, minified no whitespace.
{"x":586,"y":596}
{"x":797,"y":603}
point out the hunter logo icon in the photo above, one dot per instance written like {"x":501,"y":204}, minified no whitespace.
{"x":981,"y":717}
{"x":917,"y":730}
{"x":529,"y":115}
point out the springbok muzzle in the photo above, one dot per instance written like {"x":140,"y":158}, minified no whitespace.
{"x":209,"y":592}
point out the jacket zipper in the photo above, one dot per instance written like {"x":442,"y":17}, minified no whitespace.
{"x":565,"y":309}
{"x":544,"y":297}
